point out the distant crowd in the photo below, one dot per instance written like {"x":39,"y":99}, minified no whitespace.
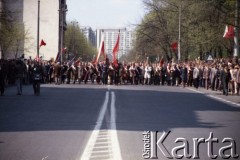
{"x":219,"y":74}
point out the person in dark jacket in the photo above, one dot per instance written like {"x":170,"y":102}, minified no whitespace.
{"x":20,"y":69}
{"x":37,"y":73}
{"x":184,"y":75}
{"x":225,"y":77}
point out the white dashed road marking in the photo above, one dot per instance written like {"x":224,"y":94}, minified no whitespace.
{"x":103,"y":143}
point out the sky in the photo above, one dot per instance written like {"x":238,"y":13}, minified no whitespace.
{"x":105,"y":13}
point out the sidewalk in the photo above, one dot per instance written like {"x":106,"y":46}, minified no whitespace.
{"x":232,"y":99}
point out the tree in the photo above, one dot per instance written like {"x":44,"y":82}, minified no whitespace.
{"x":202,"y":26}
{"x":77,"y":44}
{"x":12,"y":36}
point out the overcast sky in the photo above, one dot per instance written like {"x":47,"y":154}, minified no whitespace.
{"x":105,"y":13}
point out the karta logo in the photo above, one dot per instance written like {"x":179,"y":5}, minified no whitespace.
{"x":182,"y":150}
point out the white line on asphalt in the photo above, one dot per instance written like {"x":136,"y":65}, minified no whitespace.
{"x":224,"y":100}
{"x":102,"y":147}
{"x":215,"y":97}
{"x":102,"y":138}
{"x":115,"y":143}
{"x":88,"y":149}
{"x":110,"y":144}
{"x":195,"y":90}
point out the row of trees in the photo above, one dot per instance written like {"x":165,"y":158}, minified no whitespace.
{"x":77,"y":44}
{"x":202,"y":24}
{"x":12,"y":35}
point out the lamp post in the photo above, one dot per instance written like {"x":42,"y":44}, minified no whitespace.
{"x":62,"y":11}
{"x":179,"y":32}
{"x":38,"y":24}
{"x":236,"y":31}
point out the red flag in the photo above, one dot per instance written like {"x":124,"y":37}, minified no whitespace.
{"x":174,"y":46}
{"x":76,"y":63}
{"x":115,"y":50}
{"x":229,"y":32}
{"x":57,"y":57}
{"x":101,"y":51}
{"x":64,"y":50}
{"x":42,"y":43}
{"x":161,"y":62}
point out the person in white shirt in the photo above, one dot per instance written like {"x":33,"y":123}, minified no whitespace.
{"x":147,"y":75}
{"x":196,"y":77}
{"x":237,"y":79}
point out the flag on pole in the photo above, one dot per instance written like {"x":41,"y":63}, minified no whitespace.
{"x":229,"y":32}
{"x":71,"y":61}
{"x":116,"y":49}
{"x":57,"y":59}
{"x":64,"y":50}
{"x":42,"y":43}
{"x":174,"y":46}
{"x":76,"y":63}
{"x":101,"y":50}
{"x":161,"y":62}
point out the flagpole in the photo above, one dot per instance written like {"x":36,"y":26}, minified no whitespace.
{"x":38,"y":19}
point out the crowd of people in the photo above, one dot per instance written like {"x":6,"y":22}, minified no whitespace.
{"x":18,"y":72}
{"x":219,"y":74}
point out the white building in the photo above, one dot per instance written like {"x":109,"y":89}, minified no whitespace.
{"x":110,"y":38}
{"x":89,"y":34}
{"x":26,"y":12}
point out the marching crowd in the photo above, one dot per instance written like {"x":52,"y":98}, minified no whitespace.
{"x":219,"y":74}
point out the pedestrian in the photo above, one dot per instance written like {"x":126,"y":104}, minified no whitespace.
{"x":237,"y":79}
{"x":184,"y":75}
{"x":147,"y":75}
{"x":225,"y":78}
{"x":196,"y":77}
{"x":20,"y":69}
{"x":37,"y":72}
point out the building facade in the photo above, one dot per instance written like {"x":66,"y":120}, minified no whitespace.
{"x":110,"y":38}
{"x":52,"y":24}
{"x":90,"y":35}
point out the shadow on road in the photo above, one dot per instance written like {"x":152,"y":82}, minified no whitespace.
{"x":77,"y":109}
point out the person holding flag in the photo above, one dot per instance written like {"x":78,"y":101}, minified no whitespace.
{"x":116,"y":66}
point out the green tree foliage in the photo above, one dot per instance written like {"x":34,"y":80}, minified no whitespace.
{"x":202,"y":27}
{"x":12,"y":35}
{"x":77,"y":44}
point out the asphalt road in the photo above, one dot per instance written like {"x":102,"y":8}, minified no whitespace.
{"x":73,"y":122}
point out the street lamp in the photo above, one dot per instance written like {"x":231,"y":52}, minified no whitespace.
{"x":179,"y":31}
{"x":38,"y":23}
{"x":62,"y":11}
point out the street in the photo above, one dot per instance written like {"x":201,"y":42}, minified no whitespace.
{"x":74,"y":122}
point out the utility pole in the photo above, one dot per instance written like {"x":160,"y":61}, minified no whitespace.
{"x":179,"y":31}
{"x":236,"y":30}
{"x":38,"y":24}
{"x":62,"y":13}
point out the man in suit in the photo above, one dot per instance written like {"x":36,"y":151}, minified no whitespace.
{"x":37,"y":72}
{"x":20,"y":69}
{"x":225,"y":77}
